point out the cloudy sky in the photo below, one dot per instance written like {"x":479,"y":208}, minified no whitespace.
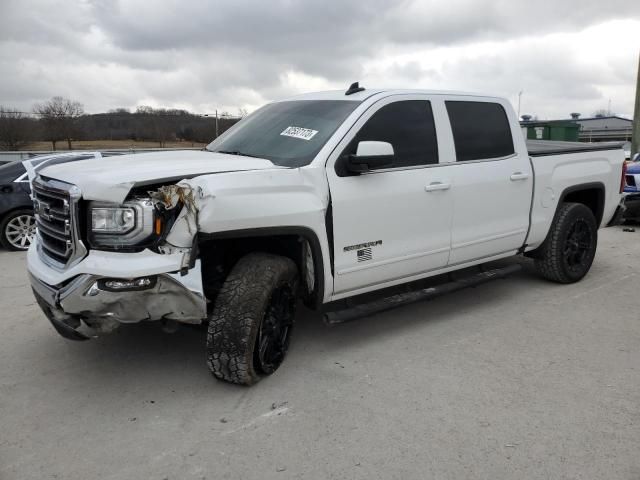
{"x":200,"y":55}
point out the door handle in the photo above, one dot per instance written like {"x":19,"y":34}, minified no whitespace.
{"x":433,"y":186}
{"x":519,"y":176}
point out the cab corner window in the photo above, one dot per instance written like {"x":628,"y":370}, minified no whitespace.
{"x":481,"y":130}
{"x":408,"y":126}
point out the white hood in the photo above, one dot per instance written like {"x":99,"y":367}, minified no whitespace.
{"x":111,"y":179}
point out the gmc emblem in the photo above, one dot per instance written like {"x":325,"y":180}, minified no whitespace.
{"x":42,"y":209}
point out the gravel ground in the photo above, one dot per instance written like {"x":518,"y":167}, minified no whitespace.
{"x":518,"y":378}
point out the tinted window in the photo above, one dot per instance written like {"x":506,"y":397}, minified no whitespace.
{"x":408,"y":126}
{"x":289,"y":134}
{"x":480,"y":130}
{"x":11,"y":171}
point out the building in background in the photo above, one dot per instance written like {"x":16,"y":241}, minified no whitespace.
{"x":605,"y":129}
{"x":562,"y":130}
{"x":594,"y":129}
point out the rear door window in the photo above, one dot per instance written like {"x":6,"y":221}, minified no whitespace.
{"x":481,"y":130}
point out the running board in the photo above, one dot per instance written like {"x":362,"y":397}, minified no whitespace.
{"x":387,"y":303}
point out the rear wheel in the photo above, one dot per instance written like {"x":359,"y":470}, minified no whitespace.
{"x":568,"y":252}
{"x":251,"y":323}
{"x":18,"y":230}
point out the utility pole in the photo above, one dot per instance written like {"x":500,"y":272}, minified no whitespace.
{"x":519,"y":98}
{"x":635,"y":145}
{"x":216,"y":114}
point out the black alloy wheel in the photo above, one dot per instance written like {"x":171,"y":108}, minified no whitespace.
{"x":272,"y":341}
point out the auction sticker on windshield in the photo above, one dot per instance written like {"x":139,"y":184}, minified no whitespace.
{"x":299,"y":132}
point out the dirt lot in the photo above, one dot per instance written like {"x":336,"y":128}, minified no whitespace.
{"x":518,"y":379}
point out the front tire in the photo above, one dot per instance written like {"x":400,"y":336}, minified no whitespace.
{"x":18,"y":230}
{"x":568,"y":252}
{"x":251,"y":323}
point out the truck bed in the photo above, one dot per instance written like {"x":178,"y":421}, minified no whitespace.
{"x":541,"y":148}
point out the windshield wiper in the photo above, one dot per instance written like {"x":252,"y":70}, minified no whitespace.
{"x":236,"y":152}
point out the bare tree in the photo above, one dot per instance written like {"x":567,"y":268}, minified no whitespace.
{"x":59,"y":117}
{"x":163,"y":130}
{"x":145,"y":123}
{"x":144,"y":109}
{"x":15,"y":129}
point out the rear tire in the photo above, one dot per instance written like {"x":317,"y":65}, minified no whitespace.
{"x":568,"y":252}
{"x":251,"y":323}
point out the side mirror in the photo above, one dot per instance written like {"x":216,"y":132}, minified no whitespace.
{"x":369,"y":156}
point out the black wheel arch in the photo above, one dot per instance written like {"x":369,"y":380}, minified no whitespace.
{"x":591,"y":194}
{"x":285,"y":241}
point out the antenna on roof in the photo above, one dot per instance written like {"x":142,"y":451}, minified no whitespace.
{"x":354,"y":88}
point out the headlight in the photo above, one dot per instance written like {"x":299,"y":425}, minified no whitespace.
{"x":113,"y":219}
{"x":121,"y":226}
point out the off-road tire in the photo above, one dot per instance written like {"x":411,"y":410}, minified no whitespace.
{"x":244,"y":303}
{"x":12,"y":216}
{"x":551,"y":259}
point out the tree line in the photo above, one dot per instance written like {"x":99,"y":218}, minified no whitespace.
{"x":61,"y":120}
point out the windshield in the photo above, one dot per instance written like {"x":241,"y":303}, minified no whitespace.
{"x":289,"y":134}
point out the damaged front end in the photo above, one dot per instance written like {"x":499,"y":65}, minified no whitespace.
{"x":90,"y":305}
{"x":141,"y":266}
{"x":164,"y":220}
{"x":177,"y":205}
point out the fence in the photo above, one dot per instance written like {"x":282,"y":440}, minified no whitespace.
{"x":27,"y":154}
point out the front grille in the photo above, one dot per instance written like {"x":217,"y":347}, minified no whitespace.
{"x":630,"y":180}
{"x":56,"y":211}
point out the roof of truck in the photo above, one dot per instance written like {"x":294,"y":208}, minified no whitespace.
{"x":369,"y":92}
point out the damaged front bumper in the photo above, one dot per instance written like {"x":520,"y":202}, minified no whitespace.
{"x":84,"y":306}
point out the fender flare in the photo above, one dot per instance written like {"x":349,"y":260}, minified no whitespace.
{"x":599,"y":186}
{"x":304,"y":232}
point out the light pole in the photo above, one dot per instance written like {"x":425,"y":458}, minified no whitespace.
{"x":216,"y":115}
{"x":519,"y":99}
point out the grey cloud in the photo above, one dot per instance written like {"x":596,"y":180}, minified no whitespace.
{"x":353,"y":26}
{"x":459,"y":21}
{"x":307,"y":36}
{"x":551,"y":84}
{"x":413,"y":71}
{"x":201,"y":54}
{"x":332,"y":38}
{"x":44,"y":23}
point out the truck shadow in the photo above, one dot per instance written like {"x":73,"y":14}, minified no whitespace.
{"x":144,"y":354}
{"x":418,"y":316}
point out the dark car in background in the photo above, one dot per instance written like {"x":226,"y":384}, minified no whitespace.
{"x":17,"y":224}
{"x":17,"y":221}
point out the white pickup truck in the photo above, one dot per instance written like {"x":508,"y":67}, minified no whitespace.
{"x":323,"y":197}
